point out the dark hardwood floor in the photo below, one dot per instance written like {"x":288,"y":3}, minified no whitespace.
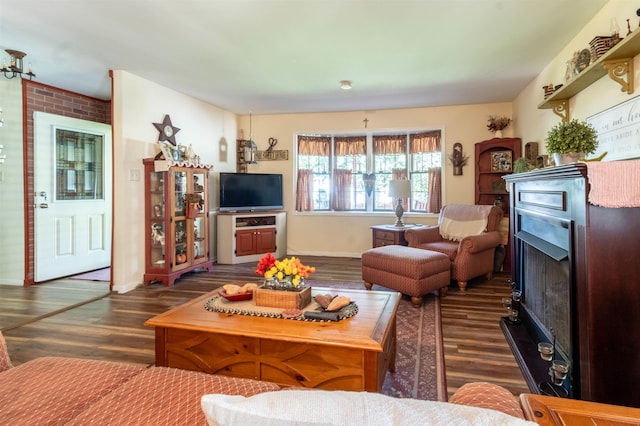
{"x":82,"y":319}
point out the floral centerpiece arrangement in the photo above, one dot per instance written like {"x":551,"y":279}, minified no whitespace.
{"x":497,"y":123}
{"x":289,"y":271}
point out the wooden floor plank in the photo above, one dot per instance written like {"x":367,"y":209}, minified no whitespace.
{"x":112,"y":327}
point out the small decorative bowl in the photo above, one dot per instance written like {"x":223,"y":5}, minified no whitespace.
{"x":236,"y":297}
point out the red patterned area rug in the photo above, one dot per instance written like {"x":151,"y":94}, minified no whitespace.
{"x":420,"y":368}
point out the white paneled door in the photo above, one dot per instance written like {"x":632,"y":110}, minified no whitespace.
{"x":72,"y":197}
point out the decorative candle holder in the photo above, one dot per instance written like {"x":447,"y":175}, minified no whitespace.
{"x":546,"y":351}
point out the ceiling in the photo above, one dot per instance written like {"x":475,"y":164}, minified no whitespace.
{"x":284,"y":56}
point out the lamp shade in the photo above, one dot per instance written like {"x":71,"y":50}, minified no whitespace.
{"x":400,"y":188}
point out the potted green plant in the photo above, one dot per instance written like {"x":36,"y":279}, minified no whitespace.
{"x":569,"y":141}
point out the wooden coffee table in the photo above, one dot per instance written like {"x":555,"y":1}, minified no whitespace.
{"x":352,"y":354}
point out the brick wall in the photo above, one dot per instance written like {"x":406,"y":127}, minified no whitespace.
{"x":52,"y":100}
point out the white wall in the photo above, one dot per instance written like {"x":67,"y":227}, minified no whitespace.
{"x":348,"y":234}
{"x":12,"y":244}
{"x":137,"y":104}
{"x":532,"y":123}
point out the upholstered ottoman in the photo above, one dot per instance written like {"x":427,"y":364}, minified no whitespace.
{"x":411,"y":271}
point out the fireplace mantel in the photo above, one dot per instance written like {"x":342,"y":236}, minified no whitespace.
{"x":598,"y":250}
{"x":612,"y":184}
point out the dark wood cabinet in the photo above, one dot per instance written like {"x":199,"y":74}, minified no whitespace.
{"x":246,"y":237}
{"x":257,"y":241}
{"x":577,"y":266}
{"x":176,"y":218}
{"x":494,"y":159}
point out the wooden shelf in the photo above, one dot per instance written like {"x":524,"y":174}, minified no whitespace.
{"x":617,"y":62}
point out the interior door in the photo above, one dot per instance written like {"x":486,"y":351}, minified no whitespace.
{"x":73,"y":196}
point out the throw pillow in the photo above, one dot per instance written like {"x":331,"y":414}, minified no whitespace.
{"x":5,"y":361}
{"x":318,"y":407}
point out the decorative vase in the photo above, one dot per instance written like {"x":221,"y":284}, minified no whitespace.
{"x":270,"y":283}
{"x":284,"y":284}
{"x":457,"y":170}
{"x":497,"y":134}
{"x":567,"y":158}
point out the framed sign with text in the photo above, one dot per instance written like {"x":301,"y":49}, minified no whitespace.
{"x":273,"y":155}
{"x":618,"y":131}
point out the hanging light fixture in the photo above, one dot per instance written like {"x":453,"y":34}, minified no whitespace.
{"x":15,"y":68}
{"x":250,"y":147}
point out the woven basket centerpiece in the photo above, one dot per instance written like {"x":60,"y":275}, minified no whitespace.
{"x":296,"y":298}
{"x":290,"y":274}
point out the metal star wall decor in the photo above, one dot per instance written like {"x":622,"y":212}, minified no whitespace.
{"x":167,"y":130}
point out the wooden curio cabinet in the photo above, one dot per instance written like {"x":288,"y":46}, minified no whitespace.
{"x":177,"y":221}
{"x":494,"y":159}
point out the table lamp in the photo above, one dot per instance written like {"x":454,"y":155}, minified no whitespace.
{"x":399,"y":189}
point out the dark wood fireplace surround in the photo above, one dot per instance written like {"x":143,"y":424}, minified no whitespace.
{"x":599,"y":249}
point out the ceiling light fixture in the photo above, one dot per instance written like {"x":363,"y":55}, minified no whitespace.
{"x":345,"y":85}
{"x":15,"y":65}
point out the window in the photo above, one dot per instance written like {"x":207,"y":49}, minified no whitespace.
{"x":79,"y":165}
{"x":332,"y":171}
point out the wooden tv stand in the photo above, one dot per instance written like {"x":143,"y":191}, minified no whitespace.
{"x":247,"y":236}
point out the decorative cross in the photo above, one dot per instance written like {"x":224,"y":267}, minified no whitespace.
{"x":366,"y":121}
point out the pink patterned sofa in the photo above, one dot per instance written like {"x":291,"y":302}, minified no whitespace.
{"x":69,"y":391}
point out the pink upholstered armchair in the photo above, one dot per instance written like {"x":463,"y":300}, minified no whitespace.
{"x":468,"y":234}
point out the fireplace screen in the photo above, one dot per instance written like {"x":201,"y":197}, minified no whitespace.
{"x":547,"y":295}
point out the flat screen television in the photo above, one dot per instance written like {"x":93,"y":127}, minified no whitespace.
{"x":250,"y":192}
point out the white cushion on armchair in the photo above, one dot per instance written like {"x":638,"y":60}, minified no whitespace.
{"x":458,"y":222}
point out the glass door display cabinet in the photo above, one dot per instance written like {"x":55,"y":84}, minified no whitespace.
{"x":177,"y":221}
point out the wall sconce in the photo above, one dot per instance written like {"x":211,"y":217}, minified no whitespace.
{"x":15,"y":65}
{"x":250,"y":150}
{"x":458,"y":159}
{"x":400,"y":189}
